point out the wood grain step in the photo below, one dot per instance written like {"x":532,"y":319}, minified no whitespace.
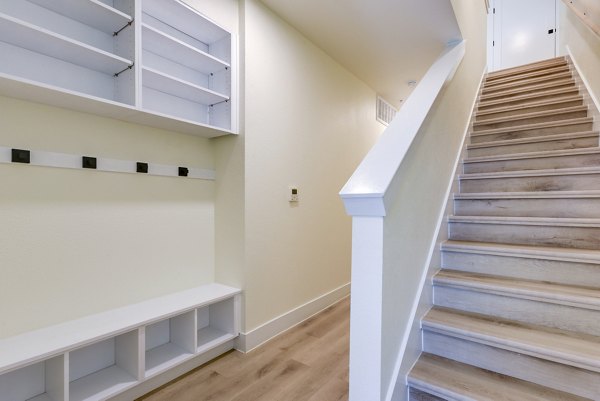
{"x":527,"y":68}
{"x":564,"y":347}
{"x":559,"y":265}
{"x":558,"y":376}
{"x":559,"y":306}
{"x":542,"y":231}
{"x":451,"y":380}
{"x":552,"y":104}
{"x":550,"y":94}
{"x":515,"y":78}
{"x":567,"y":179}
{"x":577,"y":140}
{"x":524,"y":82}
{"x":551,"y":159}
{"x":567,"y":113}
{"x":525,"y":130}
{"x":577,"y":204}
{"x":564,"y":83}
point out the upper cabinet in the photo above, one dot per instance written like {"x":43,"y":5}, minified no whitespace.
{"x":154,"y":62}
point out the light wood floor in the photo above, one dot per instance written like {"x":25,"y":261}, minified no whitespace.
{"x":307,"y":363}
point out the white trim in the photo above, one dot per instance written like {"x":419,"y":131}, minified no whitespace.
{"x":434,"y":244}
{"x":267,"y":331}
{"x":70,"y":161}
{"x":585,"y":82}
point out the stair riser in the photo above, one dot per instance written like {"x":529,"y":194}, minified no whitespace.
{"x":492,"y":105}
{"x":556,"y":271}
{"x":521,"y":310}
{"x":532,"y":109}
{"x":416,"y":395}
{"x":533,"y":184}
{"x":541,"y":163}
{"x":563,"y":144}
{"x":554,"y":375}
{"x":576,"y":207}
{"x":530,"y":133}
{"x":537,"y":89}
{"x":567,"y":237}
{"x":557,"y":116}
{"x":527,"y":76}
{"x":526,"y":82}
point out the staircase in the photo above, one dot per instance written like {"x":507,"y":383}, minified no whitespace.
{"x":516,"y":311}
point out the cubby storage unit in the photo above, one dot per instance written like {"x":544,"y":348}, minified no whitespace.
{"x":103,"y":369}
{"x":215,"y":324}
{"x":154,"y":62}
{"x":103,"y":355}
{"x":42,"y":381}
{"x":169,"y":342}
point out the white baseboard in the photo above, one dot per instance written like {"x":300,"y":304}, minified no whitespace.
{"x":260,"y":335}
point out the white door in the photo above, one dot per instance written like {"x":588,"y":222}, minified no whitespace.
{"x":524,"y":32}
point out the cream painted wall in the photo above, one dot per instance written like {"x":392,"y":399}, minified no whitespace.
{"x":420,"y":187}
{"x":78,"y":242}
{"x":308,"y":122}
{"x":583,"y":44}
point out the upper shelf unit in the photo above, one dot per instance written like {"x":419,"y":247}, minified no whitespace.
{"x":171,"y":68}
{"x":185,"y":63}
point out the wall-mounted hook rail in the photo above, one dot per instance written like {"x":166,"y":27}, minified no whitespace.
{"x":87,"y":162}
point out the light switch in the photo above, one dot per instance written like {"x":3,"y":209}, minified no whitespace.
{"x":294,"y":195}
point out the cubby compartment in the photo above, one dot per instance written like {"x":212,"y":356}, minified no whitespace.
{"x":216,"y":324}
{"x":186,"y":69}
{"x":70,"y":45}
{"x":169,"y":342}
{"x":43,"y":381}
{"x":106,"y":368}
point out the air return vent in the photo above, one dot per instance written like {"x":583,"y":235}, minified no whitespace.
{"x":385,"y":111}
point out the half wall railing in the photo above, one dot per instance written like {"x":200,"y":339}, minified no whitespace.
{"x":375,"y":341}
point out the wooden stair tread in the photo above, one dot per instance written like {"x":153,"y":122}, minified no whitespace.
{"x":513,"y":78}
{"x":529,"y":221}
{"x":561,"y":346}
{"x":558,"y":92}
{"x":453,"y":380}
{"x":524,"y":251}
{"x":577,"y":296}
{"x":529,"y":195}
{"x":535,"y":114}
{"x":534,"y":139}
{"x":531,"y":88}
{"x":532,"y":155}
{"x":489,"y":88}
{"x":526,"y":68}
{"x":529,"y":105}
{"x":526,"y":127}
{"x":532,"y":173}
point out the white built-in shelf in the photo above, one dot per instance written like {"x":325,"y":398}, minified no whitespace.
{"x":101,"y":385}
{"x":210,"y":337}
{"x":25,"y":89}
{"x":174,"y":49}
{"x":90,"y":12}
{"x":177,"y":87}
{"x":184,"y":18}
{"x":164,"y":357}
{"x":28,"y":36}
{"x":42,"y":397}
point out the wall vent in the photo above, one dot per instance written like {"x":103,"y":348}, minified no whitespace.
{"x":385,"y":111}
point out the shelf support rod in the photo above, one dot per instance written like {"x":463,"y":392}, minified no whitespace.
{"x":126,"y":25}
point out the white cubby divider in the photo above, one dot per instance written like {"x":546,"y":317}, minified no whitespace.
{"x":103,"y":355}
{"x":155,"y":62}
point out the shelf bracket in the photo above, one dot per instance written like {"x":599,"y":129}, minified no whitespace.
{"x":126,"y":25}
{"x":123,"y":70}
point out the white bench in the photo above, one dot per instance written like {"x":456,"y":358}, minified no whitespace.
{"x":102,"y":355}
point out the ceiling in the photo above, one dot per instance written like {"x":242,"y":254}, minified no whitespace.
{"x":385,"y":43}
